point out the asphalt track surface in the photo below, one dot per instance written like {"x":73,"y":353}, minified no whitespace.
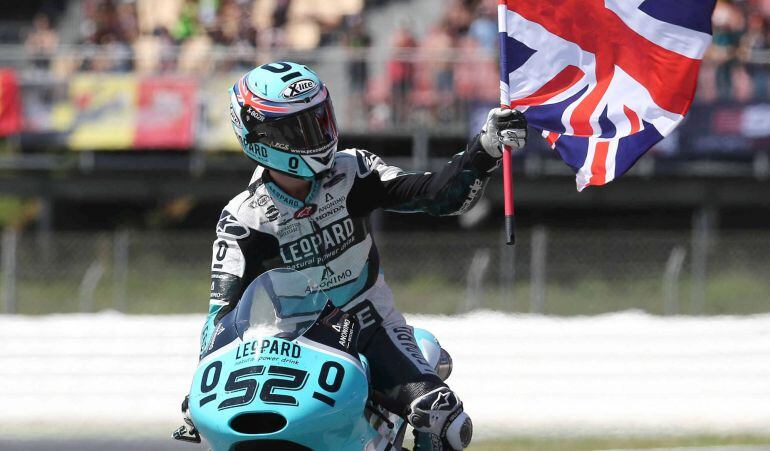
{"x":86,"y":444}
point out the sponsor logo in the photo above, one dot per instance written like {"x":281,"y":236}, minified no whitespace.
{"x":435,"y":441}
{"x":406,"y":342}
{"x":345,"y":335}
{"x":263,"y":199}
{"x":298,"y":88}
{"x":204,"y":338}
{"x":335,"y":179}
{"x":220,"y":328}
{"x":283,"y":198}
{"x":288,"y":229}
{"x":255,"y":114}
{"x":234,"y":117}
{"x":229,"y":227}
{"x":305,"y":211}
{"x":442,"y":401}
{"x":343,"y":327}
{"x":331,"y":212}
{"x":223,"y":286}
{"x":272,"y":213}
{"x":331,"y":208}
{"x":330,"y":278}
{"x":323,"y":149}
{"x":334,"y":202}
{"x":366,"y":162}
{"x":268,"y":346}
{"x":326,"y":244}
{"x":476,"y":187}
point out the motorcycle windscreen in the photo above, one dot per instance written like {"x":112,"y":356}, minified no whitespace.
{"x":280,"y":300}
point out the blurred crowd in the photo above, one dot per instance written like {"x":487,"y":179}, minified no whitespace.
{"x":737,"y":65}
{"x":444,"y":75}
{"x":147,"y":35}
{"x":434,"y":75}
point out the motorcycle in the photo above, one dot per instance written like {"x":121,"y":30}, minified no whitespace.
{"x":281,"y":372}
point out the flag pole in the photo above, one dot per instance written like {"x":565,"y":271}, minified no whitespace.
{"x":505,"y":102}
{"x":510,"y":218}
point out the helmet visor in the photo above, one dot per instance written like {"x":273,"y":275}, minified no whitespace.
{"x":305,"y":133}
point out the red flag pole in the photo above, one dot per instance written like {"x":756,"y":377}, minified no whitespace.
{"x":505,"y":102}
{"x":510,"y":218}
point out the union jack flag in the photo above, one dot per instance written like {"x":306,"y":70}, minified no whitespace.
{"x":604,"y":80}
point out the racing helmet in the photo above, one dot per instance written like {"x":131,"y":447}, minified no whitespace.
{"x":283,"y":117}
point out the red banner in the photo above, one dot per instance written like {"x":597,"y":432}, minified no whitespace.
{"x":10,"y":103}
{"x":167,"y":113}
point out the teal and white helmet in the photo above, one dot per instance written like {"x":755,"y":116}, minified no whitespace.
{"x":283,"y":117}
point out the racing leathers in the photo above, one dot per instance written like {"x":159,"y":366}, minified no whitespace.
{"x":327,"y":236}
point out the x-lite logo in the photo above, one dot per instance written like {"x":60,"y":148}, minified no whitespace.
{"x":298,"y":87}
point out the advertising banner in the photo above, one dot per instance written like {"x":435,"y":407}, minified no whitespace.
{"x":10,"y":103}
{"x":726,"y":128}
{"x":167,"y":113}
{"x":216,"y":132}
{"x":104,"y":112}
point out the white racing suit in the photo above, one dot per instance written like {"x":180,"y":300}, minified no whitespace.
{"x":327,"y":236}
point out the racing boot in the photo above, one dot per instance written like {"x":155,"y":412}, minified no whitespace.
{"x":439,"y":421}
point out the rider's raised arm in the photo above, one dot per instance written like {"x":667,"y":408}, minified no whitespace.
{"x":451,"y":191}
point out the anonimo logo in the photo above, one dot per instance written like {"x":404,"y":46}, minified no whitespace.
{"x":298,"y":88}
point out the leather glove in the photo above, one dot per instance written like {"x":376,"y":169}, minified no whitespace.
{"x":504,"y":126}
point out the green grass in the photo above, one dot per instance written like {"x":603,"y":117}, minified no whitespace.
{"x":734,"y":293}
{"x":158,"y":289}
{"x":608,"y":442}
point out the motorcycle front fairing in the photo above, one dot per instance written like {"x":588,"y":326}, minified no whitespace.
{"x":297,"y":383}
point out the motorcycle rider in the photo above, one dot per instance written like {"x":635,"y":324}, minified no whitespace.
{"x":307,"y":207}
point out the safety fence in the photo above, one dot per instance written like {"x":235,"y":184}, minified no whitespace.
{"x":550,"y":271}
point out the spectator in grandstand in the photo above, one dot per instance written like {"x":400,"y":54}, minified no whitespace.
{"x":458,"y":17}
{"x":439,"y":43}
{"x":128,"y":23}
{"x":755,"y":54}
{"x":187,"y":22}
{"x":401,"y":74}
{"x":234,"y":25}
{"x":728,"y":22}
{"x":357,"y":40}
{"x":483,"y":29}
{"x":100,"y":18}
{"x":166,"y":49}
{"x":114,"y":55}
{"x":475,"y":70}
{"x":41,"y":42}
